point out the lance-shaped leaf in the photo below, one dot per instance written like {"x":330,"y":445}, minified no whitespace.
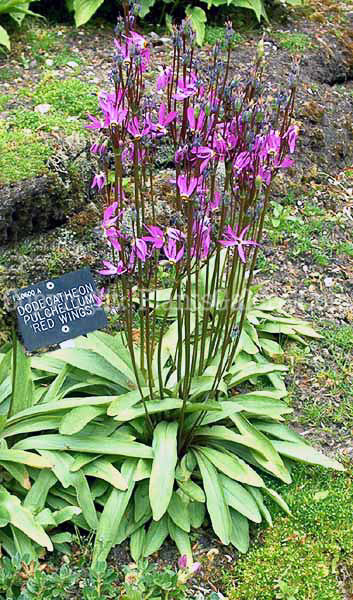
{"x":80,"y":443}
{"x":64,"y":405}
{"x":191,"y":489}
{"x":37,"y":495}
{"x":239,"y":498}
{"x":155,"y":536}
{"x":306,"y":454}
{"x":22,"y":384}
{"x":263,"y":450}
{"x":181,"y":539}
{"x":125,"y":401}
{"x":178,"y":512}
{"x":163,"y":467}
{"x":197,"y":513}
{"x":112,"y":514}
{"x":103,"y":469}
{"x":216,"y":505}
{"x":232,"y":466}
{"x":23,"y":519}
{"x":75,"y":420}
{"x":137,"y":541}
{"x":240,"y":531}
{"x":24,"y":458}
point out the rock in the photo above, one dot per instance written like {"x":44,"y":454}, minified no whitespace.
{"x":72,"y":64}
{"x":49,"y":62}
{"x":42,"y":108}
{"x":328,"y":281}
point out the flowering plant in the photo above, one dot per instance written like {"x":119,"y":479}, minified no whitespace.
{"x":184,"y":443}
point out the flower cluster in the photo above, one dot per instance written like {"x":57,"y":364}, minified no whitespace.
{"x":229,"y":141}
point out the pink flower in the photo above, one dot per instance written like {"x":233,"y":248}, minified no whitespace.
{"x":95,"y":123}
{"x":172,"y":253}
{"x":186,"y":186}
{"x":232,"y":239}
{"x":98,"y":148}
{"x":183,"y":562}
{"x":202,"y":235}
{"x":140,"y":248}
{"x":113,"y":236}
{"x":109,"y":217}
{"x":111,"y":269}
{"x":99,"y":180}
{"x":99,"y":298}
{"x":164,"y":78}
{"x":196,"y":123}
{"x":134,"y":129}
{"x":164,"y":119}
{"x":242,"y":161}
{"x":156,"y":237}
{"x":292,"y":135}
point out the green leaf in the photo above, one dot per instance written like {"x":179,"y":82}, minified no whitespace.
{"x":191,"y":489}
{"x":37,"y":495}
{"x":22,"y":518}
{"x":112,"y":514}
{"x":137,"y":541}
{"x":103,"y":469}
{"x":22,"y":389}
{"x":18,"y":472}
{"x":239,"y":498}
{"x":263,"y":451}
{"x":75,"y":420}
{"x":276,"y":497}
{"x":125,"y":401}
{"x":153,"y":407}
{"x":141,"y":501}
{"x":234,"y":377}
{"x":197,"y":514}
{"x":145,"y":7}
{"x":257,"y":495}
{"x":240,"y":531}
{"x":25,"y":458}
{"x":85,"y":9}
{"x":163,"y":467}
{"x":94,"y":444}
{"x":66,"y":514}
{"x":178,"y":512}
{"x":198,"y":20}
{"x":143,"y":470}
{"x":93,"y":363}
{"x":304,"y":453}
{"x":156,"y":534}
{"x":4,"y":38}
{"x":181,"y":540}
{"x":280,"y":431}
{"x":216,"y":505}
{"x":66,"y":404}
{"x":232,"y":466}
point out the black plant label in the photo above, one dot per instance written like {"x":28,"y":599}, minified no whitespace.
{"x":53,"y":311}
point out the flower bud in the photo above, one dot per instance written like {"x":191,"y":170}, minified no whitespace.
{"x":258,"y":182}
{"x":260,"y":49}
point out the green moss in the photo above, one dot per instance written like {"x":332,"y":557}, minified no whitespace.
{"x":52,"y":121}
{"x":300,"y":556}
{"x":70,"y":97}
{"x":294,"y":42}
{"x":22,"y":155}
{"x":4,"y":98}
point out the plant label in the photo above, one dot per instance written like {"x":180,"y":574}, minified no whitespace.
{"x":57,"y":310}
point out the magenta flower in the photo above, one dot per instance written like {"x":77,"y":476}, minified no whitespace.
{"x":183,"y":562}
{"x":111,"y":269}
{"x":202,"y":235}
{"x":99,"y":298}
{"x":175,"y":234}
{"x":195,"y":567}
{"x":139,"y":248}
{"x":99,"y":180}
{"x":196,"y":123}
{"x":95,"y":123}
{"x":186,"y":89}
{"x":164,"y":119}
{"x":156,"y":237}
{"x":292,"y":136}
{"x":172,"y":253}
{"x":98,"y":148}
{"x":232,"y":239}
{"x":242,"y":161}
{"x":113,"y":236}
{"x":134,"y":129}
{"x":164,"y":78}
{"x":114,"y":116}
{"x":186,"y":186}
{"x":109,"y":217}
